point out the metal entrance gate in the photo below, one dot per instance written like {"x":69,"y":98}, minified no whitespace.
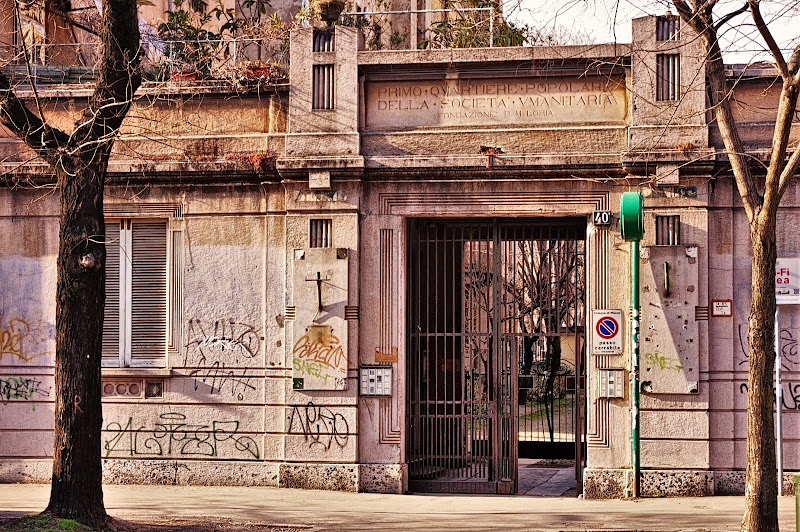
{"x":495,"y":346}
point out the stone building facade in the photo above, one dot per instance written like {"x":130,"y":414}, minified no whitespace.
{"x":383,"y":274}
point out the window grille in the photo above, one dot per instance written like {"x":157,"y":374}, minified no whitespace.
{"x":668,"y":76}
{"x":668,"y":230}
{"x":323,"y":87}
{"x":320,"y":233}
{"x":324,"y":41}
{"x":135,"y":324}
{"x":667,"y":28}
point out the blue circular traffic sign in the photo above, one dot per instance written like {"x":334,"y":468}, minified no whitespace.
{"x":607,"y":327}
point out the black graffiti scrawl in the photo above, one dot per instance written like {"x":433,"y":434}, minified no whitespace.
{"x":21,"y":389}
{"x":321,"y":426}
{"x":173,"y":436}
{"x":790,"y":358}
{"x":214,"y":347}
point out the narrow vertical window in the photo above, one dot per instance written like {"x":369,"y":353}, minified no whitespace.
{"x":111,"y":320}
{"x":320,"y":233}
{"x":323,"y":87}
{"x":324,"y":41}
{"x":668,"y":75}
{"x":668,"y":230}
{"x":667,"y":28}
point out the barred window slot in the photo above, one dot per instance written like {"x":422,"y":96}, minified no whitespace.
{"x":668,"y":77}
{"x":668,"y":230}
{"x":323,"y":86}
{"x":320,"y":233}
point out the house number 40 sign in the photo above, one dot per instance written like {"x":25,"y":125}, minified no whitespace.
{"x":601,"y":218}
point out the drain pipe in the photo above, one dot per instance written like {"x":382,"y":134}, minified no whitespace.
{"x":631,"y":222}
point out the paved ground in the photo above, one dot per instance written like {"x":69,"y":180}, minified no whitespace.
{"x":241,"y":508}
{"x":547,"y":483}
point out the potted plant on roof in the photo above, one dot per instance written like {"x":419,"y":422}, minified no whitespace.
{"x":191,"y":47}
{"x":328,"y":10}
{"x":256,"y":70}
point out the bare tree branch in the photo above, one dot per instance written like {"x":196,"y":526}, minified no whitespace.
{"x":724,"y":20}
{"x":44,"y":139}
{"x":788,"y":171}
{"x":774,"y":49}
{"x":118,"y":78}
{"x":701,"y":20}
{"x":794,"y":65}
{"x":787,"y":103}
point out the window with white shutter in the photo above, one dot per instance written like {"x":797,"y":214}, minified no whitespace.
{"x":135,"y":328}
{"x":111,"y":336}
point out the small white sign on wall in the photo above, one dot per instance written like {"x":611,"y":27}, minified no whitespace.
{"x":787,"y":281}
{"x":721,"y":308}
{"x":606,"y":332}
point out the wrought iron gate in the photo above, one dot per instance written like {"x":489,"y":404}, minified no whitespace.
{"x":493,"y":307}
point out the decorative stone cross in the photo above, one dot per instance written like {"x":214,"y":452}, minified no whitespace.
{"x":319,"y":280}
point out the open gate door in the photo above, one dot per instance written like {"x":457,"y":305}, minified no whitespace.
{"x":486,"y":304}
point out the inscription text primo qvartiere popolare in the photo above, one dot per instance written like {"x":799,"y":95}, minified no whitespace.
{"x":442,"y":103}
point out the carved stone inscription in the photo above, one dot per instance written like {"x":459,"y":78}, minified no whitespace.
{"x":485,"y":102}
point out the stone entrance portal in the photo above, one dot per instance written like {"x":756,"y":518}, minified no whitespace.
{"x":496,"y":315}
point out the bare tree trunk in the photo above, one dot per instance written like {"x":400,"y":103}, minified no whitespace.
{"x":77,"y":464}
{"x":79,"y":161}
{"x":553,"y":365}
{"x":761,"y":489}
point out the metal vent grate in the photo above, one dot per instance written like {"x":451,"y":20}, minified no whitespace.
{"x":324,"y":41}
{"x":320,"y":233}
{"x":154,"y":389}
{"x":323,"y":86}
{"x":668,"y":77}
{"x":667,"y":28}
{"x":668,"y":230}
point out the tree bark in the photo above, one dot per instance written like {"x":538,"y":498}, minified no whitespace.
{"x":79,"y":161}
{"x":77,"y":467}
{"x":761,"y":488}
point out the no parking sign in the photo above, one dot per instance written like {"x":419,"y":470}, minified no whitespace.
{"x":606,"y":332}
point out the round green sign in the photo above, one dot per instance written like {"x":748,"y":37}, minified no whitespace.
{"x":631,"y":219}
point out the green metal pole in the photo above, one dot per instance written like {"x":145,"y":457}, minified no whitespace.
{"x":631,"y":224}
{"x":635,"y":364}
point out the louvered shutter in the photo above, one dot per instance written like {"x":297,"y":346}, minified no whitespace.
{"x":149,"y":294}
{"x":111,"y":348}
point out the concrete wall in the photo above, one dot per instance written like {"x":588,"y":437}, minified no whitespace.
{"x":228,"y":413}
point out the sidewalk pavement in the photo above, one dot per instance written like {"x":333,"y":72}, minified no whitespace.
{"x":260,"y":508}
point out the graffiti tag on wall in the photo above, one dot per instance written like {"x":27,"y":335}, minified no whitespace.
{"x":21,"y":388}
{"x":320,"y":426}
{"x":790,"y":358}
{"x":661,"y":362}
{"x":215,"y":346}
{"x":319,"y":360}
{"x":790,"y":394}
{"x":18,"y":342}
{"x":173,"y":436}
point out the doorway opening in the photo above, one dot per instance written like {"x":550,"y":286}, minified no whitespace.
{"x":495,"y":343}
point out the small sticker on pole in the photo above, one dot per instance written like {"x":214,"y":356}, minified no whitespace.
{"x":606,"y":332}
